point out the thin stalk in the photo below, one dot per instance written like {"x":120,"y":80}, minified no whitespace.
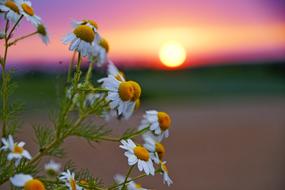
{"x":89,"y":72}
{"x":22,"y":38}
{"x":5,"y":79}
{"x":114,"y":139}
{"x":127,"y":177}
{"x":15,"y":26}
{"x":128,"y":181}
{"x":69,"y":74}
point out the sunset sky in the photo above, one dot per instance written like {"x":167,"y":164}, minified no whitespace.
{"x":210,"y":30}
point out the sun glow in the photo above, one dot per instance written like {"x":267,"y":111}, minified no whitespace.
{"x":172,"y":54}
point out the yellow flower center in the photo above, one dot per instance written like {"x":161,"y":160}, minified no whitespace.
{"x":104,"y":44}
{"x":138,"y":104}
{"x":17,"y":149}
{"x":72,"y":183}
{"x":91,"y":22}
{"x":159,"y":148}
{"x":120,"y":76}
{"x":126,"y":91}
{"x":85,"y":33}
{"x":141,"y":153}
{"x":164,"y":168}
{"x":34,"y":184}
{"x":12,"y":5}
{"x":138,"y":185}
{"x":137,"y":90}
{"x":164,"y":120}
{"x":28,"y":9}
{"x":41,"y":30}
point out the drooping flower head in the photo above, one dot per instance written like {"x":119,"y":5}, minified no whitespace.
{"x":41,"y":30}
{"x":166,"y":178}
{"x":17,"y":151}
{"x":115,"y":72}
{"x":158,"y":122}
{"x":27,"y":182}
{"x":156,"y":148}
{"x":121,"y":94}
{"x":69,"y":179}
{"x":139,"y":155}
{"x":52,"y":168}
{"x":11,"y":10}
{"x":100,"y":51}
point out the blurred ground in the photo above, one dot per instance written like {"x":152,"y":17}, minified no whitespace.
{"x":219,"y":146}
{"x":228,"y":126}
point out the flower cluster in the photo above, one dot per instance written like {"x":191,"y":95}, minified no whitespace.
{"x":113,"y":96}
{"x":15,"y":10}
{"x":155,"y":127}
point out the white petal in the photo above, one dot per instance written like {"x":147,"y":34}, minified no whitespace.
{"x":19,"y":180}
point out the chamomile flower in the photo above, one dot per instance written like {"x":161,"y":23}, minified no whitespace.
{"x":119,"y":179}
{"x":81,"y":39}
{"x":166,"y":178}
{"x":114,"y":71}
{"x":41,"y":30}
{"x":138,"y":155}
{"x":11,"y":10}
{"x":17,"y":152}
{"x":100,"y":52}
{"x":121,"y":94}
{"x":27,"y":10}
{"x":52,"y":168}
{"x":27,"y":182}
{"x":69,"y":179}
{"x":156,"y":149}
{"x":89,"y":23}
{"x":158,"y":122}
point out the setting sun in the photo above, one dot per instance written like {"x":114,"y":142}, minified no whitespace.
{"x":172,"y":54}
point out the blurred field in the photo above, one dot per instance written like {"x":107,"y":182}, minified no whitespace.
{"x":42,"y":90}
{"x":228,"y":126}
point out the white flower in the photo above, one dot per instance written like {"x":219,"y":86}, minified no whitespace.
{"x":114,"y":71}
{"x":100,"y":51}
{"x":89,"y":23}
{"x":52,"y":168}
{"x":41,"y":29}
{"x":138,"y":155}
{"x":122,"y":95}
{"x":156,"y":149}
{"x":11,"y":9}
{"x":17,"y":151}
{"x":27,"y":10}
{"x":158,"y":122}
{"x":27,"y":181}
{"x":119,"y":179}
{"x":166,"y":178}
{"x":81,"y":39}
{"x":69,"y":179}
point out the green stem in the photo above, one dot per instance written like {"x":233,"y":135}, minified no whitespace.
{"x":70,"y":67}
{"x":128,"y":181}
{"x":89,"y":72}
{"x":22,"y":38}
{"x":5,"y":85}
{"x":14,"y":27}
{"x":127,"y":177}
{"x":114,"y":139}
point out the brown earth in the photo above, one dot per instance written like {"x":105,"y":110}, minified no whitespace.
{"x":238,"y":145}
